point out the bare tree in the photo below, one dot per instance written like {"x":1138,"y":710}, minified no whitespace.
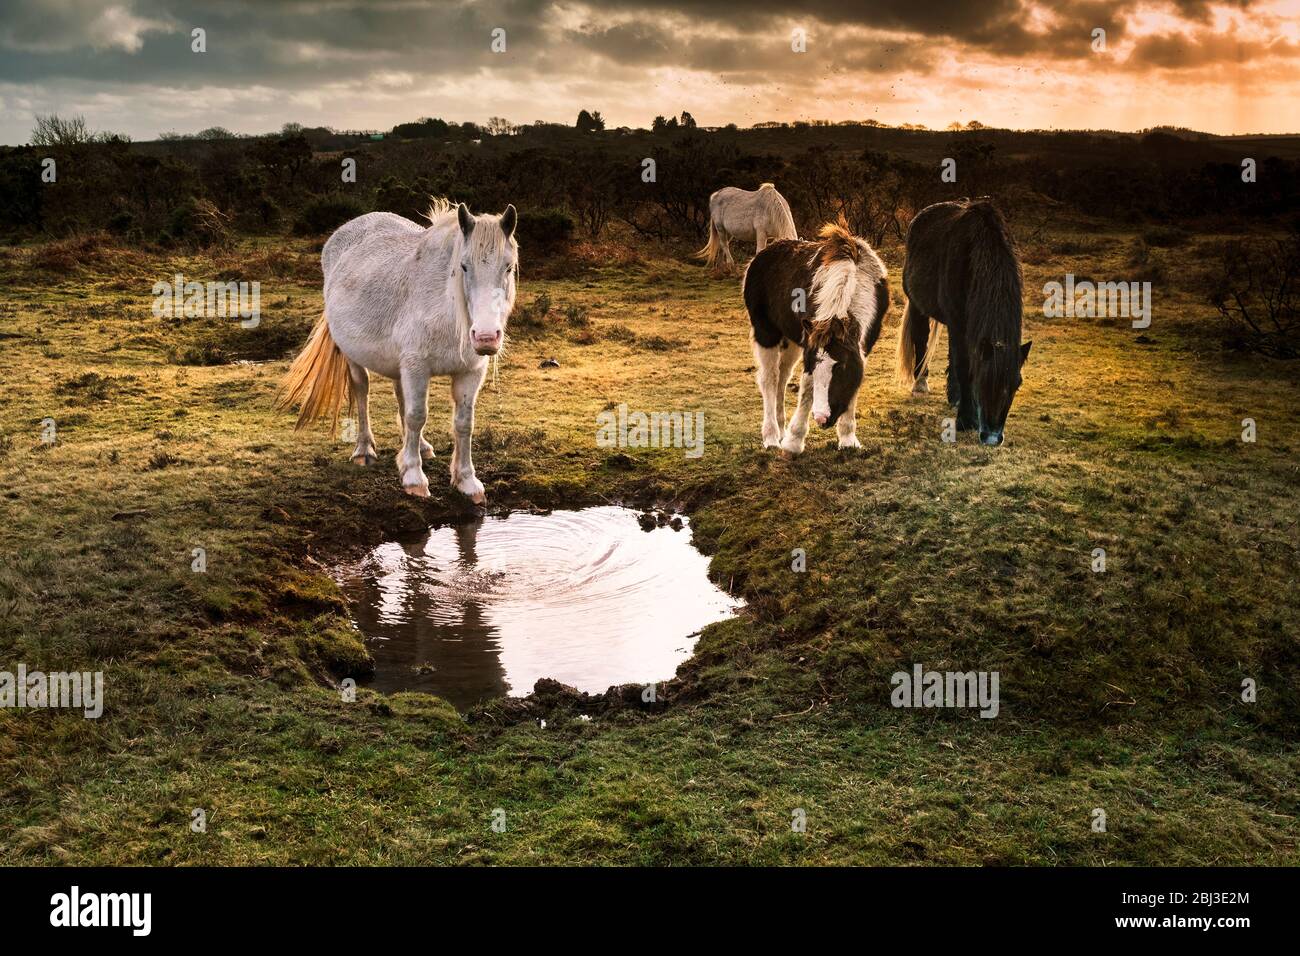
{"x":54,"y":130}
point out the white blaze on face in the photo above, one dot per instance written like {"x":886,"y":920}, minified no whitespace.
{"x":821,"y":408}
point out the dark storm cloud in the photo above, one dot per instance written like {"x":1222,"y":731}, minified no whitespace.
{"x":265,"y":42}
{"x":301,"y":41}
{"x":766,"y":53}
{"x":127,"y":64}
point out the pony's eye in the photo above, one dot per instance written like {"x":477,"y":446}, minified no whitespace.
{"x":464,"y":268}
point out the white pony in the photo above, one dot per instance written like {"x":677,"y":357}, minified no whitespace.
{"x":409,"y":303}
{"x":757,"y":216}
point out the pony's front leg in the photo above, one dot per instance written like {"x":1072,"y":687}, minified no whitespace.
{"x":426,"y":450}
{"x":415,"y":411}
{"x":959,"y":387}
{"x":464,"y":392}
{"x":847,"y":427}
{"x":797,"y":430}
{"x":364,"y":453}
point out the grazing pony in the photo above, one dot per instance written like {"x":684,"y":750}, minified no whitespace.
{"x":758,"y":216}
{"x":962,"y":270}
{"x":409,"y":303}
{"x":825,"y":301}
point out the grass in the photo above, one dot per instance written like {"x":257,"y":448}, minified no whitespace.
{"x":1120,"y":691}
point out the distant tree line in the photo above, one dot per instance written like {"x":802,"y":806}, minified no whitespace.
{"x":583,"y":179}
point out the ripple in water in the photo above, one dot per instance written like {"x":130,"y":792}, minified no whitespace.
{"x":485,"y":609}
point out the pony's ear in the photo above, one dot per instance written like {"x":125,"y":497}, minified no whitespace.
{"x":465,"y":219}
{"x":509,"y":219}
{"x":1024,"y":352}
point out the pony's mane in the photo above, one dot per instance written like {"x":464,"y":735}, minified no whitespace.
{"x":839,"y":286}
{"x":837,"y":244}
{"x":484,"y":242}
{"x":439,"y":207}
{"x":993,"y":299}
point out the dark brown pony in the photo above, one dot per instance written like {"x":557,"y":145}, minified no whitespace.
{"x":823,"y":301}
{"x":962,"y":270}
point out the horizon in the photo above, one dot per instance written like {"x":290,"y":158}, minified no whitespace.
{"x":134,"y":67}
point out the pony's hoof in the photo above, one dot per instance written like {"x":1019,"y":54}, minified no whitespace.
{"x":426,"y":451}
{"x":850,"y":442}
{"x":922,"y":387}
{"x":790,"y":454}
{"x":364,"y":460}
{"x":472,"y":488}
{"x":419,"y":491}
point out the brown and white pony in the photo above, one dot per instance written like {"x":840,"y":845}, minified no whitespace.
{"x":758,"y":216}
{"x":824,"y":301}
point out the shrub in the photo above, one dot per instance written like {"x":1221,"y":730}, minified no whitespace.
{"x":1165,"y":237}
{"x":545,"y":227}
{"x":197,"y":222}
{"x":327,"y":213}
{"x":531,"y":318}
{"x":1256,"y":288}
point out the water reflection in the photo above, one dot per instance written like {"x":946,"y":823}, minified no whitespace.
{"x":484,"y":609}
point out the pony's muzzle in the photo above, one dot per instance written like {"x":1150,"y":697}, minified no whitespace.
{"x":992,"y":439}
{"x":487,"y":343}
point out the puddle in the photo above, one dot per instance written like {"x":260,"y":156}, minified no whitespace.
{"x":485,"y":609}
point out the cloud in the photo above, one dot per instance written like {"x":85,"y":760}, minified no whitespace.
{"x":370,"y":64}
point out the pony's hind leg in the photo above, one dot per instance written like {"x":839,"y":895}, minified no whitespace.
{"x":415,"y":411}
{"x":364,"y":453}
{"x":724,"y":240}
{"x":464,"y":392}
{"x":920,"y":325}
{"x":772,"y":374}
{"x":426,"y":450}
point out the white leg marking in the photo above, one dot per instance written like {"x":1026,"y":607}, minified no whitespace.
{"x":769,"y":363}
{"x":795,"y":432}
{"x":847,"y":426}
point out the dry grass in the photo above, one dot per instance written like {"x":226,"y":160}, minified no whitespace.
{"x":1120,"y":690}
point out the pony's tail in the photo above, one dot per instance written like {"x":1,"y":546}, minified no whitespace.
{"x":909,"y":331}
{"x":712,"y":249}
{"x":317,"y":381}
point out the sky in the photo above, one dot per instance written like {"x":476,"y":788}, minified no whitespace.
{"x":128,"y":66}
